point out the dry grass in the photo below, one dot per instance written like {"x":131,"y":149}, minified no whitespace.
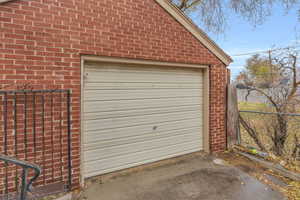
{"x":263,"y":124}
{"x":252,"y":106}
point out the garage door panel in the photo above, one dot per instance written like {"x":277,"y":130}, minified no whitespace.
{"x":139,"y":112}
{"x":95,"y":124}
{"x":120,"y":76}
{"x":134,"y":104}
{"x":127,"y":132}
{"x":132,"y":70}
{"x":140,"y":78}
{"x":133,"y":147}
{"x":147,"y":136}
{"x":137,"y":115}
{"x":100,"y":95}
{"x":133,"y":85}
{"x":121,"y":68}
{"x":120,"y":162}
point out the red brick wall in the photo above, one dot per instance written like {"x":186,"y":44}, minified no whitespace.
{"x":41,"y":42}
{"x":218,"y":81}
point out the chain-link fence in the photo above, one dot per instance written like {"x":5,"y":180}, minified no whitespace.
{"x":271,"y":132}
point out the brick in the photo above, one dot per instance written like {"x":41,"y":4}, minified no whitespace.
{"x":14,"y":77}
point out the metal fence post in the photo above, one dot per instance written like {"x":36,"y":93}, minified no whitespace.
{"x":69,"y":138}
{"x":23,"y":195}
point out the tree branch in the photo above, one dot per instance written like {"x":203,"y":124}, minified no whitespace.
{"x":252,"y":133}
{"x":295,"y":83}
{"x":183,"y":4}
{"x":193,"y":3}
{"x":267,"y":96}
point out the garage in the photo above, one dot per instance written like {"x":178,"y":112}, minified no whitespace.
{"x":143,"y":83}
{"x":136,"y":114}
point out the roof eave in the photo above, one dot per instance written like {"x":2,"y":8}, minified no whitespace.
{"x":4,"y":1}
{"x":195,"y":30}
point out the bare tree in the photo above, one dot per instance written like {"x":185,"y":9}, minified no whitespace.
{"x":213,"y":13}
{"x":282,"y":94}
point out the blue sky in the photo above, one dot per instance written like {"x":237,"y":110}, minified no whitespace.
{"x":279,"y":30}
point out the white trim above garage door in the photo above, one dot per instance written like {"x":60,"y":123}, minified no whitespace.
{"x":136,"y":114}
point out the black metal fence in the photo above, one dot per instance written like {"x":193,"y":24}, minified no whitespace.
{"x":26,"y":185}
{"x":35,"y":126}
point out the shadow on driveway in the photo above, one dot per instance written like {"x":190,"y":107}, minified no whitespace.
{"x":193,"y":178}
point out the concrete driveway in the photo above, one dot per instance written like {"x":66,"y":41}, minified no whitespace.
{"x":193,"y":178}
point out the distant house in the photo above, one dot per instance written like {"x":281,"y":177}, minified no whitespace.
{"x":252,"y":97}
{"x":255,"y":97}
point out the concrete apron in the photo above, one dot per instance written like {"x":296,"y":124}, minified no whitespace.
{"x":193,"y":178}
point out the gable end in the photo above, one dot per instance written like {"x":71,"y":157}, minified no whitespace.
{"x":194,"y":30}
{"x":191,"y":27}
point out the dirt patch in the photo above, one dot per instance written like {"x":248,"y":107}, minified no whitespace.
{"x":187,"y":185}
{"x":245,"y":168}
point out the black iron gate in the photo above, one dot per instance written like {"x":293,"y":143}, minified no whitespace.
{"x":35,"y":126}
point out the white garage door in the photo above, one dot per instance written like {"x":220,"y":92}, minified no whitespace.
{"x":136,"y":115}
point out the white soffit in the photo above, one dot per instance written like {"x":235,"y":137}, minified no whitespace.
{"x":3,"y":1}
